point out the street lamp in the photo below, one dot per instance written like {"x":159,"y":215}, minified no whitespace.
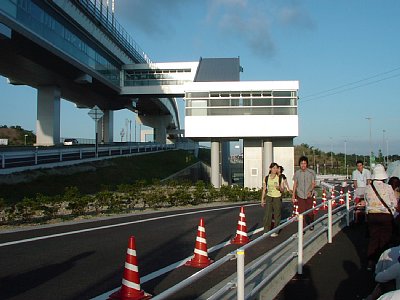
{"x":331,"y":154}
{"x":345,"y":157}
{"x":370,"y":140}
{"x":383,"y":145}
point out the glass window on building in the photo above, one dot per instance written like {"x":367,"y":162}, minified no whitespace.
{"x":282,"y":94}
{"x":262,"y":102}
{"x":282,"y":101}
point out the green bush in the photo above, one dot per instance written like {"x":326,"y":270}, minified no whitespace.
{"x":126,"y":197}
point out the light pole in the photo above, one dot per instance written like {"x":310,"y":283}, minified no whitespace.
{"x":345,"y":157}
{"x":383,"y":145}
{"x":387,"y":151}
{"x":370,"y":140}
{"x":331,"y":154}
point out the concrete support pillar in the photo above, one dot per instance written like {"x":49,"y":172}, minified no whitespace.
{"x":215,"y":164}
{"x":48,"y":116}
{"x":252,"y":164}
{"x":160,"y":124}
{"x":225,"y":163}
{"x":105,"y":127}
{"x":160,"y":134}
{"x":268,"y":156}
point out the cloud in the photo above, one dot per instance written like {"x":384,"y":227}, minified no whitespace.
{"x":254,"y":32}
{"x":293,"y":15}
{"x":249,"y":22}
{"x":151,"y":16}
{"x":255,"y":22}
{"x":243,"y":21}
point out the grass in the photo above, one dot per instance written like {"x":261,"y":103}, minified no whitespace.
{"x":108,"y":175}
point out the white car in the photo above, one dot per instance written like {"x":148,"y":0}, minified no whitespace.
{"x":70,"y":142}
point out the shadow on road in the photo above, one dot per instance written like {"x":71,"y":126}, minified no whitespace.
{"x":12,"y":286}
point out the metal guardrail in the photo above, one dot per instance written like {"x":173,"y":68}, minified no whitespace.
{"x":39,"y":156}
{"x":242,"y":271}
{"x":103,"y":14}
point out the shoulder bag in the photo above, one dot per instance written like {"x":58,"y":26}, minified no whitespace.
{"x":380,"y":199}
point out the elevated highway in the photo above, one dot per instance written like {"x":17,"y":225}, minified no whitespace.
{"x":77,"y":51}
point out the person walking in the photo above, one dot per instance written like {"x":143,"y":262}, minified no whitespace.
{"x":380,"y":207}
{"x":271,"y":198}
{"x":361,"y":178}
{"x":303,"y":189}
{"x":284,"y":180}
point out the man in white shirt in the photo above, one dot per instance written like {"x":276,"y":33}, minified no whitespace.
{"x":361,"y":178}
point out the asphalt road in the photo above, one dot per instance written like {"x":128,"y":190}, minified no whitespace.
{"x":84,"y":260}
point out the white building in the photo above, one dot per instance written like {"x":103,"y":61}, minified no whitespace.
{"x":262,"y":113}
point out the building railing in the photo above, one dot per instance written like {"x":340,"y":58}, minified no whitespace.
{"x":241,"y":110}
{"x":105,"y":16}
{"x":154,"y":82}
{"x":236,"y":288}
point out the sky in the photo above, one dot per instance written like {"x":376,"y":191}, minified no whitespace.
{"x":344,"y":53}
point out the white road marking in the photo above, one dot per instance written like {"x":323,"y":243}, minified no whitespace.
{"x":114,"y":225}
{"x":150,"y":276}
{"x":173,"y":266}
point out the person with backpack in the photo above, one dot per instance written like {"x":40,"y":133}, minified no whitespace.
{"x":271,"y":198}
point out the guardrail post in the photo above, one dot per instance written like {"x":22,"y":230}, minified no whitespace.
{"x":80,"y":153}
{"x":109,"y":151}
{"x":61,"y":156}
{"x":3,"y":160}
{"x":347,"y":209}
{"x":300,"y":244}
{"x":330,"y":221}
{"x":120,"y":150}
{"x":240,"y":274}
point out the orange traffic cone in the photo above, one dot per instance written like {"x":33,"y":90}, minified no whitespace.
{"x":241,"y":237}
{"x":341,"y":200}
{"x":200,"y":259}
{"x":314,"y":204}
{"x":325,"y":206}
{"x":349,"y":195}
{"x":130,"y":289}
{"x":333,"y":198}
{"x":295,"y":211}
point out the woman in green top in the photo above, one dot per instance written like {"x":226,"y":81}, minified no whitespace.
{"x":271,"y":198}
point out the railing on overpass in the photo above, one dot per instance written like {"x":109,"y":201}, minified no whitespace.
{"x":251,"y":280}
{"x":40,"y":156}
{"x":105,"y":16}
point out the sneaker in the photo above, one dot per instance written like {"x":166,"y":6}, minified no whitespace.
{"x":274,"y":234}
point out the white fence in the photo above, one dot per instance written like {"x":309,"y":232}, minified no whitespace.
{"x":21,"y":160}
{"x":267,"y":275}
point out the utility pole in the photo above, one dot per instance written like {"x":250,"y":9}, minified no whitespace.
{"x":383,"y":145}
{"x":331,"y":154}
{"x":345,"y":157}
{"x":370,"y":140}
